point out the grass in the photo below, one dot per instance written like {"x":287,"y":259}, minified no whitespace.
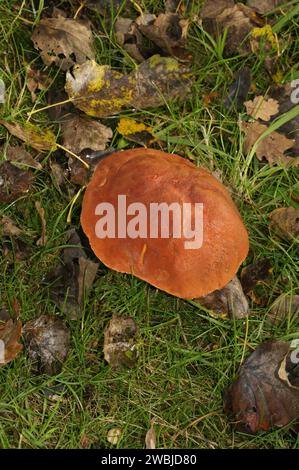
{"x":186,"y":357}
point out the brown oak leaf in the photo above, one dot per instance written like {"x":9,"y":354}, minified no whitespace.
{"x":260,"y":108}
{"x":272,"y":147}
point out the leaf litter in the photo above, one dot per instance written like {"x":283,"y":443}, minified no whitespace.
{"x":101,"y":91}
{"x":63,"y":41}
{"x":259,"y":400}
{"x":68,"y":283}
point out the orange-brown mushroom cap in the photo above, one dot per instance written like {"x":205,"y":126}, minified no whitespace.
{"x":151,"y":176}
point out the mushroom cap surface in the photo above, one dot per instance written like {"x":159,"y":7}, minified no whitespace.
{"x":151,"y":176}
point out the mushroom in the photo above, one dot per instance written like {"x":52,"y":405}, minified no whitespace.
{"x":176,"y":264}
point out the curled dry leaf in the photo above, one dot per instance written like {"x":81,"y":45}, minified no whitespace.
{"x":150,"y":438}
{"x":285,"y":222}
{"x":33,"y":136}
{"x":10,"y":334}
{"x":60,"y":178}
{"x":150,"y":34}
{"x":260,"y":108}
{"x":227,"y":302}
{"x":14,"y":182}
{"x":100,"y":91}
{"x":81,"y":132}
{"x":48,"y":341}
{"x":254,"y":275}
{"x":36,"y":81}
{"x":130,"y":38}
{"x":238,"y":19}
{"x":79,"y":174}
{"x":284,"y":307}
{"x":168,"y":31}
{"x":135,"y":131}
{"x":113,"y":436}
{"x":69,"y":281}
{"x":119,"y":347}
{"x":272,"y":147}
{"x":63,"y":41}
{"x":259,"y":400}
{"x":19,"y":156}
{"x":8,"y":228}
{"x":41,"y":212}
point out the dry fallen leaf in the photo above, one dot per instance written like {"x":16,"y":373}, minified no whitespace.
{"x":238,"y":19}
{"x":100,"y":91}
{"x":32,"y":135}
{"x":13,"y":182}
{"x":63,"y":41}
{"x":285,"y":222}
{"x":150,"y":438}
{"x":260,"y":108}
{"x":168,"y":31}
{"x":150,"y":34}
{"x":130,"y":38}
{"x":19,"y":156}
{"x":284,"y":307}
{"x":119,"y":347}
{"x":60,"y":179}
{"x":259,"y":400}
{"x":113,"y":436}
{"x":253,"y":277}
{"x":69,"y":281}
{"x":227,"y":302}
{"x":48,"y":341}
{"x":36,"y":81}
{"x":8,"y":228}
{"x":80,"y":133}
{"x":10,"y":334}
{"x":272,"y":147}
